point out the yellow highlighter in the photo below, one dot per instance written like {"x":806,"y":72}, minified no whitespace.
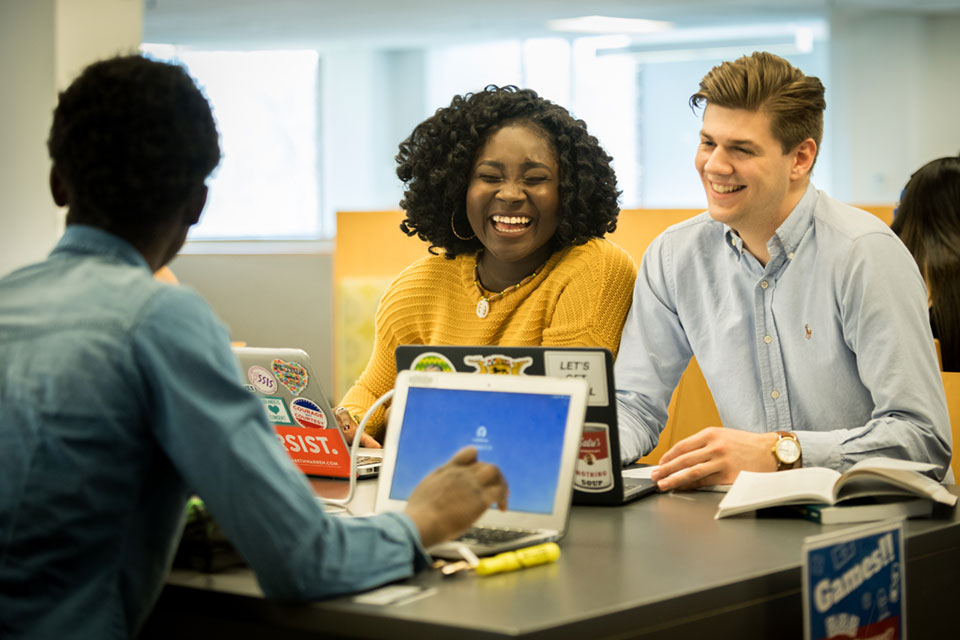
{"x":520,"y":559}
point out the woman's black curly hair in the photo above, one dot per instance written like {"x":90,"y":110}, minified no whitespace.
{"x":436,"y":161}
{"x":133,"y":139}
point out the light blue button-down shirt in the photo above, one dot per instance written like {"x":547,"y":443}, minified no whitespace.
{"x":831,"y":339}
{"x":117,"y":393}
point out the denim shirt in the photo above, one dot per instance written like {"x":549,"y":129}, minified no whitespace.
{"x":117,"y":394}
{"x":830,"y":339}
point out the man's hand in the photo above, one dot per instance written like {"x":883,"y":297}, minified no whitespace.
{"x":714,"y":456}
{"x":349,"y":428}
{"x":451,"y":498}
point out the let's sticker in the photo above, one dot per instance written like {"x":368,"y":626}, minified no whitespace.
{"x":275,"y":409}
{"x":291,"y":375}
{"x":262,"y":380}
{"x":308,"y":413}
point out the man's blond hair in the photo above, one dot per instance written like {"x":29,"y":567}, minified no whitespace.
{"x":768,"y":83}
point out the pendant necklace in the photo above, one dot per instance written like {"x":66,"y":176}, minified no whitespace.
{"x":483,"y":306}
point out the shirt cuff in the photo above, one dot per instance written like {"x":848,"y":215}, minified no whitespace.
{"x":421,"y":559}
{"x":822,"y":449}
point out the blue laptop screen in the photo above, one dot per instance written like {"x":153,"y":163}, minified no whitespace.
{"x":521,"y":433}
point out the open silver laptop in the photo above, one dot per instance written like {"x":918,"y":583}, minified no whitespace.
{"x":285,"y":382}
{"x":529,"y":427}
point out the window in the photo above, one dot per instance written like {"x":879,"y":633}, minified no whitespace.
{"x":265,"y":105}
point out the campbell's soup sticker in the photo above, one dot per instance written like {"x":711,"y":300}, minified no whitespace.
{"x":275,"y":409}
{"x":308,"y":413}
{"x":594,"y":470}
{"x":588,"y":365}
{"x":262,"y":380}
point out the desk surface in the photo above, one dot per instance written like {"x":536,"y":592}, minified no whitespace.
{"x":660,"y":567}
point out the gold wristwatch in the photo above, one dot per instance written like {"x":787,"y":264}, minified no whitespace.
{"x":787,"y":451}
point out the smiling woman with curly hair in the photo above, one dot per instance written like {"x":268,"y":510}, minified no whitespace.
{"x":514,"y":196}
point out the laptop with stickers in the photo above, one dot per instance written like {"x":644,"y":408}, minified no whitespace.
{"x":598,"y":478}
{"x":529,"y":427}
{"x":284,"y":381}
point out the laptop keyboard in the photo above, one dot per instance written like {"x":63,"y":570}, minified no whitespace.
{"x":492,"y":536}
{"x":368,"y":460}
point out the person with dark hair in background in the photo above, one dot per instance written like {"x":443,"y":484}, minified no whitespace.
{"x":807,"y":316}
{"x":514,"y":196}
{"x":118,"y":392}
{"x":928,"y":221}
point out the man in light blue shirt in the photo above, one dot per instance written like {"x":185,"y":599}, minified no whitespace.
{"x":808,"y":317}
{"x":119,"y":393}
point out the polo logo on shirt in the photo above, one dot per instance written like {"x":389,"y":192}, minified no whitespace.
{"x":808,"y":331}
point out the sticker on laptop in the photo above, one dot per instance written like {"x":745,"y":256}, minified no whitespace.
{"x":498,"y":364}
{"x":307,"y":413}
{"x":594,"y":470}
{"x":275,"y":409}
{"x":432,"y":361}
{"x":291,"y":375}
{"x":261,"y":379}
{"x":589,"y":365}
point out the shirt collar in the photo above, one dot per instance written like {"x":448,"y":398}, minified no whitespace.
{"x":80,"y":238}
{"x":789,"y":234}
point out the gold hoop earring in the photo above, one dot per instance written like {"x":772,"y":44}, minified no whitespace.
{"x":454,"y":229}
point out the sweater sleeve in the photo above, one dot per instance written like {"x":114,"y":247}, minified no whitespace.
{"x":595,"y":299}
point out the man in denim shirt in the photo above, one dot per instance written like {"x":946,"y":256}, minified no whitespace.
{"x":118,"y":392}
{"x":808,"y":317}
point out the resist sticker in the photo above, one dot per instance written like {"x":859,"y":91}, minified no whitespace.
{"x":307,"y":413}
{"x":261,"y":379}
{"x":291,"y":375}
{"x":275,"y":409}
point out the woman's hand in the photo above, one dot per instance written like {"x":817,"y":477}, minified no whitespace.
{"x":348,"y":425}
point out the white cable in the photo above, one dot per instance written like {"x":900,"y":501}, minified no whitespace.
{"x":354,"y":447}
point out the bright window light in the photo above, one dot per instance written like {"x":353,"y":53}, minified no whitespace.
{"x":606,"y":24}
{"x":265,"y":105}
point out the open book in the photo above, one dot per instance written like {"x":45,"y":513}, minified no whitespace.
{"x":818,"y":485}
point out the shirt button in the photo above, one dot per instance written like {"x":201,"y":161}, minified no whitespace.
{"x":767,"y":339}
{"x":790,"y":255}
{"x":764,"y":284}
{"x":733,"y":242}
{"x":774,"y":394}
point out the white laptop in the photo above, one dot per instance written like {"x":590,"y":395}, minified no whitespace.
{"x":530,"y":427}
{"x":284,"y":381}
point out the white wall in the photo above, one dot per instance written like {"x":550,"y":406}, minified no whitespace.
{"x":270,"y":301}
{"x":43,"y":44}
{"x":894,"y":95}
{"x":28,"y":220}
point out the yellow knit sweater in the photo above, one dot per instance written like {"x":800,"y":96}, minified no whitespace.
{"x":579,"y":298}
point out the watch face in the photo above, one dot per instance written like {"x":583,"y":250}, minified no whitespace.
{"x":788,"y":451}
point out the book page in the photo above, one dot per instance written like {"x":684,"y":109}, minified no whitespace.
{"x":879,"y":462}
{"x":753,"y":490}
{"x":898,"y":479}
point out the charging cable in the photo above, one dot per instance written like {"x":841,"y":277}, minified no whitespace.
{"x":354,"y":447}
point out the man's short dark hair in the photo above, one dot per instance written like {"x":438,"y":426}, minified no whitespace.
{"x":132,"y":139}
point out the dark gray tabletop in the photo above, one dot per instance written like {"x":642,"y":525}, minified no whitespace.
{"x":661,"y":567}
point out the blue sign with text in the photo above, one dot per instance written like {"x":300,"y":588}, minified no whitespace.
{"x":853,"y":583}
